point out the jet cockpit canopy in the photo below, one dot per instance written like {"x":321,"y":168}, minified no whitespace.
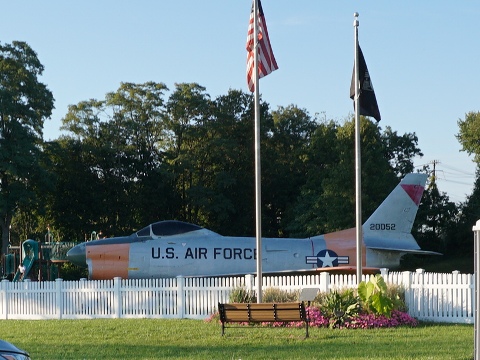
{"x":168,"y":228}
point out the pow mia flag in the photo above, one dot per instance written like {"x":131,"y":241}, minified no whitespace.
{"x":367,"y":99}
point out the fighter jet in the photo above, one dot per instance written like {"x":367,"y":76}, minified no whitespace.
{"x":172,"y":248}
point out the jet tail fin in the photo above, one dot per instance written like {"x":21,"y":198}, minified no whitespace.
{"x":397,"y":212}
{"x":390,"y":226}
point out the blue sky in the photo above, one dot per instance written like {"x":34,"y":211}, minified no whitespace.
{"x":422,"y":57}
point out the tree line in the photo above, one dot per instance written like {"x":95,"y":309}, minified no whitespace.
{"x":146,"y":153}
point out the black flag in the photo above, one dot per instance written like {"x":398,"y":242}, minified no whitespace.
{"x":367,"y":99}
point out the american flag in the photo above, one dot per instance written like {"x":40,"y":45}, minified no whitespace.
{"x":266,"y":60}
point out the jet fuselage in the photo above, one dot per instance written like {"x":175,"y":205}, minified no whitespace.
{"x":172,"y":248}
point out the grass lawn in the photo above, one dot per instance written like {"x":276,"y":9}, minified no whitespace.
{"x":196,"y":339}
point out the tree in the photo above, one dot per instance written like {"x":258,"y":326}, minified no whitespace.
{"x":307,"y":217}
{"x":74,"y":207}
{"x":132,"y":159}
{"x":119,"y":142}
{"x":231,"y":153}
{"x":460,"y":239}
{"x":339,"y":186}
{"x":284,"y":156}
{"x":435,"y":218}
{"x":469,"y":211}
{"x":210,"y":154}
{"x":187,"y":114}
{"x":327,"y":201}
{"x":25,"y":103}
{"x":400,"y":150}
{"x":139,"y":111}
{"x":469,"y":134}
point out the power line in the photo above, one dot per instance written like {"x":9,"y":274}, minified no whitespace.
{"x":451,"y":175}
{"x":459,"y":170}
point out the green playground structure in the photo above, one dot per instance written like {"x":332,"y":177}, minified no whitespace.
{"x":36,"y":261}
{"x":29,"y":256}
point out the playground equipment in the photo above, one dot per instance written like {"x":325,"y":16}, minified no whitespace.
{"x":36,"y":261}
{"x":29,"y":256}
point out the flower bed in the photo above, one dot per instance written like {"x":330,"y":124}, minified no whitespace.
{"x":372,"y":305}
{"x":361,"y":321}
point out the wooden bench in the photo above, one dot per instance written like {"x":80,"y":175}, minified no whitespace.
{"x":265,"y":312}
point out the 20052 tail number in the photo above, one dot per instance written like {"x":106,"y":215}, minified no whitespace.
{"x":375,"y":227}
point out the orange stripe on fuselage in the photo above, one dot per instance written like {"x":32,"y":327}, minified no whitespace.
{"x":108,"y":261}
{"x":344,"y":243}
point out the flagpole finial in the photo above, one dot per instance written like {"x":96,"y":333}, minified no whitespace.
{"x":355,"y":14}
{"x":355,"y":22}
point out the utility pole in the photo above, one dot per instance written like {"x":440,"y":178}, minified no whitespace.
{"x":434,"y":162}
{"x":433,"y":183}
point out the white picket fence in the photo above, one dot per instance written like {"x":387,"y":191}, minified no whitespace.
{"x":429,"y":296}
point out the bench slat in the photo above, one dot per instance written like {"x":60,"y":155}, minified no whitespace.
{"x":236,"y":317}
{"x":236,"y":306}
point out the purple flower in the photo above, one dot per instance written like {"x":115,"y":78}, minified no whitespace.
{"x":362,"y":321}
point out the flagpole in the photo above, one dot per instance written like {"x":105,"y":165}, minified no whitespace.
{"x":258,"y":188}
{"x":358,"y":165}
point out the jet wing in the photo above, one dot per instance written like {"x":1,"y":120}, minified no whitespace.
{"x":408,"y":251}
{"x":349,"y":270}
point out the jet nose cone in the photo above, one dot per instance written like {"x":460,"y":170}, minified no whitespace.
{"x":77,"y":255}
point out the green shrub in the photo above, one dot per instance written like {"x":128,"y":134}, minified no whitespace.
{"x":319,"y":299}
{"x":242,"y":295}
{"x":73,"y":272}
{"x":375,"y":298}
{"x":275,"y":295}
{"x":397,"y":294}
{"x":270,"y":295}
{"x":339,"y":307}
